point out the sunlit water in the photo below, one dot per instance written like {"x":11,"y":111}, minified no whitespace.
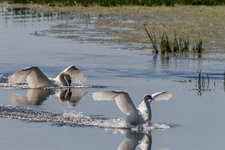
{"x":192,"y":119}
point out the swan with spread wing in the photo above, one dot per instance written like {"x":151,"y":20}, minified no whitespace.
{"x":139,"y":115}
{"x":36,"y":79}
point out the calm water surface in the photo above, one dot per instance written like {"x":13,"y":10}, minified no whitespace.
{"x":198,"y":118}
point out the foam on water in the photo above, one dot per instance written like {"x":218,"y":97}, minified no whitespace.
{"x":74,"y":119}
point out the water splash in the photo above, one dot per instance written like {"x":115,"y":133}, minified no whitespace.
{"x":3,"y":78}
{"x":74,"y":119}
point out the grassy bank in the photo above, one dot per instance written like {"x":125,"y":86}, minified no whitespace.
{"x":205,"y":23}
{"x":123,"y":2}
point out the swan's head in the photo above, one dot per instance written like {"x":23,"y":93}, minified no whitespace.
{"x":148,"y":97}
{"x":65,"y":78}
{"x":68,"y":79}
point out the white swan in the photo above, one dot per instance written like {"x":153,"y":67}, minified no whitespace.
{"x":36,"y":79}
{"x":139,"y":115}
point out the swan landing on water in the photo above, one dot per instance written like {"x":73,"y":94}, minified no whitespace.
{"x":139,"y":115}
{"x":36,"y":79}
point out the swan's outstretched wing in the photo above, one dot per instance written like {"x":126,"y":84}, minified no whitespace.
{"x":76,"y":75}
{"x":33,"y":97}
{"x":123,"y":100}
{"x":33,"y":75}
{"x":161,"y":96}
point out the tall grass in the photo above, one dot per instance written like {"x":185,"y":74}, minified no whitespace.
{"x":127,"y":2}
{"x":176,"y":45}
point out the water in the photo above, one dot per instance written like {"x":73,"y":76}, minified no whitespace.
{"x":196,"y":118}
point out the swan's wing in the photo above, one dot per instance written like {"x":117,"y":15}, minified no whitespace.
{"x":19,"y":76}
{"x":33,"y":97}
{"x":76,"y":75}
{"x":123,"y":100}
{"x":33,"y":75}
{"x":161,"y":96}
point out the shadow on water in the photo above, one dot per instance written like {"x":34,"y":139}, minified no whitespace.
{"x":38,"y":96}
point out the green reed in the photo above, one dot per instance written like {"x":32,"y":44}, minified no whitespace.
{"x":202,"y":83}
{"x":175,"y":45}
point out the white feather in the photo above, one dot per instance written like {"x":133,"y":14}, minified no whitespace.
{"x":123,"y":100}
{"x":76,"y":75}
{"x":162,"y":96}
{"x":36,"y":79}
{"x":33,"y":75}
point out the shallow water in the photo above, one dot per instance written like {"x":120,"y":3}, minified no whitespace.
{"x":196,"y":117}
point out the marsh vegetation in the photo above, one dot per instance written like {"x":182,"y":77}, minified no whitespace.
{"x":124,"y":2}
{"x":175,"y":45}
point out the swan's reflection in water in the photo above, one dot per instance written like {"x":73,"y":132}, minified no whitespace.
{"x":38,"y":96}
{"x":33,"y":97}
{"x":71,"y":95}
{"x":133,"y":140}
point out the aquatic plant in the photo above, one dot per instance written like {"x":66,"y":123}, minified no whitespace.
{"x":176,"y":45}
{"x":202,"y":83}
{"x":153,"y":40}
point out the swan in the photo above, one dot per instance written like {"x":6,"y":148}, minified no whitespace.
{"x":139,"y":115}
{"x":36,"y":79}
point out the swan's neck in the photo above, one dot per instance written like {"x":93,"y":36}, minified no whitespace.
{"x":149,"y":112}
{"x":62,"y":79}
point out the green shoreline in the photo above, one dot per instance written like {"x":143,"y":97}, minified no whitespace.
{"x":195,"y":22}
{"x":110,"y":3}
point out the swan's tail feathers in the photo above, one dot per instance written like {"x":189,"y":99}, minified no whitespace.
{"x":162,"y":96}
{"x":76,"y":75}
